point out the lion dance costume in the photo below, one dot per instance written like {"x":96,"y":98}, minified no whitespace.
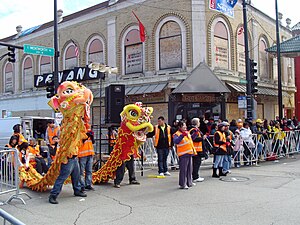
{"x":73,"y":100}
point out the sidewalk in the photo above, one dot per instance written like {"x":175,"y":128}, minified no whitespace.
{"x":269,"y":195}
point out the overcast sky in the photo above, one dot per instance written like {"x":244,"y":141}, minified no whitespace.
{"x":29,"y":13}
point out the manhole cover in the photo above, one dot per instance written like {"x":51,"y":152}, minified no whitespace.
{"x":234,"y":179}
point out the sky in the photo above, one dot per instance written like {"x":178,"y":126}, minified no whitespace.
{"x":30,"y":13}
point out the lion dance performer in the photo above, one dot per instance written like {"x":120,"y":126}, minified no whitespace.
{"x":135,"y":125}
{"x":73,"y":101}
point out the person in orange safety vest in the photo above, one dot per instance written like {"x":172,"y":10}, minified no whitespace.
{"x":163,"y":144}
{"x":85,"y":156}
{"x":51,"y":131}
{"x":220,"y":145}
{"x":198,"y":146}
{"x":185,"y":151}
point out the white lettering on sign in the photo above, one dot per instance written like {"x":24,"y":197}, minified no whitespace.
{"x":80,"y":73}
{"x":93,"y":74}
{"x":70,"y":76}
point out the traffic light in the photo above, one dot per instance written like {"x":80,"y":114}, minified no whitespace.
{"x":253,"y":74}
{"x":50,"y":89}
{"x":11,"y":54}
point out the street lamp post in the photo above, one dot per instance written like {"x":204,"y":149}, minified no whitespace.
{"x":56,"y":52}
{"x":280,"y":106}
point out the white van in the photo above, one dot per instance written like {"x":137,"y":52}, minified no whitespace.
{"x":33,"y":126}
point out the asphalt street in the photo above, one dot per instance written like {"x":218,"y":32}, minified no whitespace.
{"x":261,"y":195}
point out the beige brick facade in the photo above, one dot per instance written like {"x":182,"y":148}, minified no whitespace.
{"x":83,"y":28}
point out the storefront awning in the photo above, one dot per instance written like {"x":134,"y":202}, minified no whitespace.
{"x":144,"y":89}
{"x":201,"y":80}
{"x":261,"y":90}
{"x":136,"y":90}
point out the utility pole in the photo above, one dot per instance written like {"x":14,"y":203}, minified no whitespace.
{"x":280,"y":106}
{"x":248,"y":76}
{"x":56,"y":52}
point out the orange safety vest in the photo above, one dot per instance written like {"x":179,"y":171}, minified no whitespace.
{"x":157,"y":133}
{"x":197,"y":145}
{"x":112,"y":140}
{"x":86,"y":149}
{"x":222,"y":138}
{"x":51,"y":134}
{"x":21,"y":138}
{"x":185,"y":146}
{"x":34,"y":150}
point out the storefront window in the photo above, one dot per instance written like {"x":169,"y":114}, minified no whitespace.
{"x":133,"y":53}
{"x":27,"y":74}
{"x":8,"y":80}
{"x":170,"y":46}
{"x":95,"y":52}
{"x":221,"y":44}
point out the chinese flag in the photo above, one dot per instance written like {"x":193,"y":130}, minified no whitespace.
{"x":141,"y":28}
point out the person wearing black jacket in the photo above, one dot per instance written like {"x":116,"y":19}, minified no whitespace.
{"x":163,"y":144}
{"x":199,"y":149}
{"x":220,"y":144}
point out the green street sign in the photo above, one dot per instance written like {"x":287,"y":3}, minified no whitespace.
{"x":38,"y":50}
{"x":243,"y":81}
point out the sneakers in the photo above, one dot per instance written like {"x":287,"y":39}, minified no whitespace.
{"x":183,"y":187}
{"x":80,"y":194}
{"x":167,"y":174}
{"x":52,"y":199}
{"x":117,"y":185}
{"x":134,"y":182}
{"x":161,"y":174}
{"x":89,"y":188}
{"x":193,"y":184}
{"x":200,"y":179}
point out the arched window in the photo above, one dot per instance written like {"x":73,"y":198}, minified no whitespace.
{"x":45,"y":65}
{"x":71,"y":60}
{"x":133,"y":48}
{"x":27,"y":74}
{"x":263,"y":59}
{"x":8,"y":78}
{"x":221,"y":46}
{"x":95,"y":52}
{"x":241,"y":51}
{"x":170,"y":46}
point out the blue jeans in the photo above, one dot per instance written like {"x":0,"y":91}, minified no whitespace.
{"x":86,"y":165}
{"x":218,"y":161}
{"x":71,"y":168}
{"x":226,"y":163}
{"x":162,"y":154}
{"x":259,"y":148}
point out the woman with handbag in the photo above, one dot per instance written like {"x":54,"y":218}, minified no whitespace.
{"x":220,"y":146}
{"x":185,"y":150}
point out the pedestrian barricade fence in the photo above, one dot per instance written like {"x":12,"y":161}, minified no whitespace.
{"x":9,"y":218}
{"x":258,"y":147}
{"x":9,"y":176}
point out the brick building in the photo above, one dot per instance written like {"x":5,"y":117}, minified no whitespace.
{"x":186,"y":44}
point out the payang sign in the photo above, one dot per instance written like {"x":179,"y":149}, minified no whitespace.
{"x":77,"y":74}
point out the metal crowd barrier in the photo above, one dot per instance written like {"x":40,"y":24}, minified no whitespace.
{"x":9,"y":218}
{"x":258,"y":147}
{"x":269,"y":146}
{"x":9,"y":175}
